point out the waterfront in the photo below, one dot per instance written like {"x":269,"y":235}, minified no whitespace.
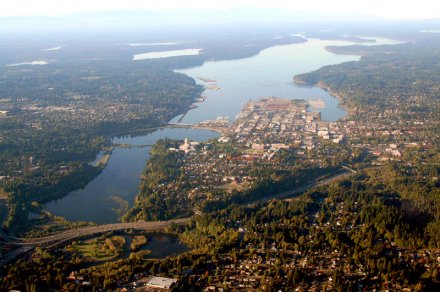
{"x":164,"y":245}
{"x":104,"y":198}
{"x":270,"y":73}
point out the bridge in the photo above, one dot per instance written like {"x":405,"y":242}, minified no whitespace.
{"x":349,"y":169}
{"x":72,"y":234}
{"x":171,"y":125}
{"x":181,"y":125}
{"x":62,"y":238}
{"x":219,"y":129}
{"x":52,"y":241}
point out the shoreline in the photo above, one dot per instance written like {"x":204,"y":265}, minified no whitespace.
{"x":102,"y":163}
{"x":148,"y":130}
{"x":297,"y":80}
{"x":340,"y":99}
{"x":340,"y":51}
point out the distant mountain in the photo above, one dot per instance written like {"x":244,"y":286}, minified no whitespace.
{"x":184,"y":23}
{"x":129,"y":18}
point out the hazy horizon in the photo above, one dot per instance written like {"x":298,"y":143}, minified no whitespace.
{"x":394,"y":10}
{"x":193,"y":21}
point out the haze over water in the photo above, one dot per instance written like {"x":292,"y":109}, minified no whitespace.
{"x":270,"y":73}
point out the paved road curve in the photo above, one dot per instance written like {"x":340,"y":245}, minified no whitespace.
{"x":73,"y":234}
{"x":150,"y":226}
{"x":303,"y":189}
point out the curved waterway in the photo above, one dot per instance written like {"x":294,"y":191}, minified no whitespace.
{"x":105,"y":198}
{"x":270,"y":73}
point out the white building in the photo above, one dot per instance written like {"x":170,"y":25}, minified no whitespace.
{"x":161,"y":282}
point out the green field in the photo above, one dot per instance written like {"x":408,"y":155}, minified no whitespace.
{"x":107,"y":248}
{"x":97,"y":249}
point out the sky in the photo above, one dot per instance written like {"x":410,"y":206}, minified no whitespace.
{"x":388,"y":9}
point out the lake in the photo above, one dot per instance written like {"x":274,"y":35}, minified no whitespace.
{"x":233,"y":83}
{"x":164,"y":245}
{"x":103,"y":199}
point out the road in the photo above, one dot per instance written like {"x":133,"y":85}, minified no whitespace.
{"x":299,"y":190}
{"x":65,"y":237}
{"x":73,"y":234}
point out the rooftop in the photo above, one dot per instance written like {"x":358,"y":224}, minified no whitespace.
{"x":161,"y":282}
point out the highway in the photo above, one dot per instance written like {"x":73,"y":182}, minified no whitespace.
{"x":67,"y":236}
{"x":299,"y":190}
{"x":28,"y":244}
{"x":72,"y":234}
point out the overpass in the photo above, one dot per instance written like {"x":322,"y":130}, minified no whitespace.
{"x":72,"y":234}
{"x":220,"y":130}
{"x":172,"y":125}
{"x":28,"y":244}
{"x":62,"y":238}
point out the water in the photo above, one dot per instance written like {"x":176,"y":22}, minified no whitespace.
{"x":32,"y":63}
{"x":174,"y":133}
{"x":104,"y":198}
{"x":380,"y":41}
{"x":431,"y":30}
{"x":166,"y":54}
{"x":160,"y":245}
{"x":164,"y":245}
{"x":270,"y":73}
{"x":54,"y":49}
{"x":153,"y":44}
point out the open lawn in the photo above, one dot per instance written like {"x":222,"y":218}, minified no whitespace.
{"x":107,"y":248}
{"x":96,"y":249}
{"x":234,"y":186}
